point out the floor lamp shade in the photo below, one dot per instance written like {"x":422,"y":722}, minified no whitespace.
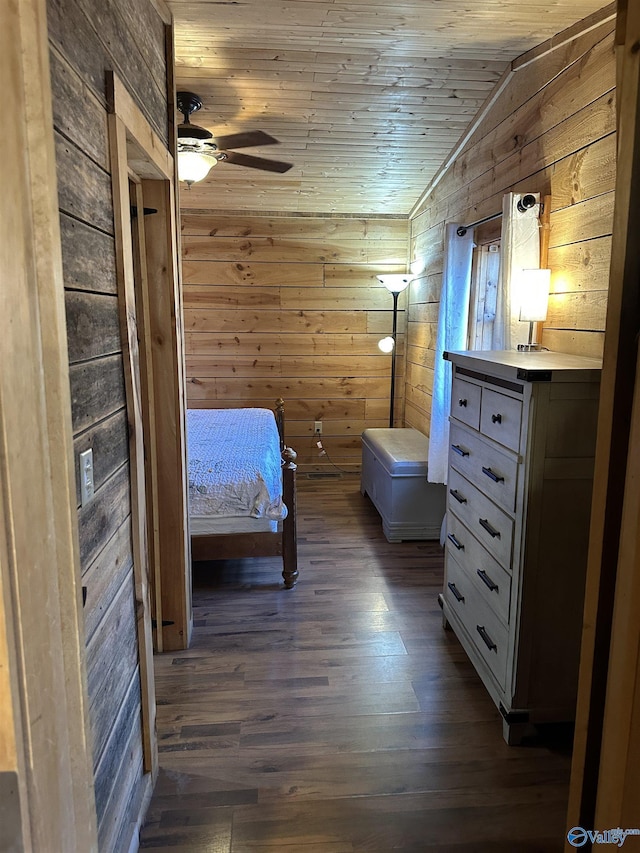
{"x":395,"y":282}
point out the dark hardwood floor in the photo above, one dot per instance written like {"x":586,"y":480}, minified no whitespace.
{"x":340,"y":716}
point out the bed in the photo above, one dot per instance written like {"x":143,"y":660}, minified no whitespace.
{"x":242,"y":490}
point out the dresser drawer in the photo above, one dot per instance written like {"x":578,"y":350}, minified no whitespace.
{"x":465,"y":402}
{"x":486,"y":521}
{"x":492,"y":582}
{"x":500,"y":418}
{"x":495,"y":473}
{"x":482,"y":625}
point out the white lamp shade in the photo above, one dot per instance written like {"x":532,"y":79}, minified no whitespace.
{"x":386,"y":344}
{"x":194,"y":166}
{"x":534,"y":295}
{"x":395,"y":282}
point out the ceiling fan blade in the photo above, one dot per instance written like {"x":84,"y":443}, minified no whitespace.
{"x":245,"y":140}
{"x":255,"y":162}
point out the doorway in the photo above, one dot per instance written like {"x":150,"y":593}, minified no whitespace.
{"x":151,"y":331}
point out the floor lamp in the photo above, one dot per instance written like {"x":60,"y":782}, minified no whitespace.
{"x":395,"y":284}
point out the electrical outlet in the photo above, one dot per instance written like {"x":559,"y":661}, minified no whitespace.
{"x":86,"y":476}
{"x":317,"y":427}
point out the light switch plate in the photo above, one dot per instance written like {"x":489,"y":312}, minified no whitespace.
{"x":86,"y":476}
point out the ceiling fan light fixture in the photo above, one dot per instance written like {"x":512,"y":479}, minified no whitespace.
{"x":194,"y":166}
{"x":198,"y":152}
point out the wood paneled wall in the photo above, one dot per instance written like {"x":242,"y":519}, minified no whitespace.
{"x":290,"y":306}
{"x":86,"y":39}
{"x":551,"y":130}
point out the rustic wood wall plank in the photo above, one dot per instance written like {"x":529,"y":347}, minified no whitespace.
{"x":100,"y":518}
{"x":525,"y":86}
{"x":45,"y":765}
{"x":291,"y":306}
{"x":111,"y":660}
{"x":97,"y":390}
{"x":292,"y":366}
{"x":375,"y":298}
{"x":552,"y":130}
{"x":123,"y":750}
{"x":586,"y":310}
{"x":247,"y":274}
{"x":277,"y":250}
{"x":312,"y":322}
{"x":92,"y":323}
{"x":208,"y":225}
{"x":304,"y":411}
{"x":84,"y":189}
{"x":549,"y":161}
{"x":77,"y":115}
{"x":95,"y":38}
{"x":569,"y":93}
{"x":86,"y":39}
{"x":88,"y":257}
{"x":105,"y":577}
{"x":580,"y":266}
{"x":109,"y":440}
{"x":269,"y":344}
{"x":583,"y":221}
{"x":235,"y":390}
{"x":588,"y":343}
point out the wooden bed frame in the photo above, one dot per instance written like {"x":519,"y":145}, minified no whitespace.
{"x":283,"y":543}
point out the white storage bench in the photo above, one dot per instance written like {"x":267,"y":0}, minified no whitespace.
{"x":394,"y":475}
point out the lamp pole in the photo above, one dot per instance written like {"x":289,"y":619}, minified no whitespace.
{"x":395,"y":284}
{"x":395,"y":295}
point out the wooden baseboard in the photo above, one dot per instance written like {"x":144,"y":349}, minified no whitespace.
{"x":10,"y":816}
{"x":130,"y":835}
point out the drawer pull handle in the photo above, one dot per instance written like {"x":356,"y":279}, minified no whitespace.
{"x":486,"y":579}
{"x":495,"y":477}
{"x":487,"y":639}
{"x":462,"y":402}
{"x":456,"y":592}
{"x":456,"y":494}
{"x":457,"y":449}
{"x":496,"y":419}
{"x":455,"y":542}
{"x":484,"y":522}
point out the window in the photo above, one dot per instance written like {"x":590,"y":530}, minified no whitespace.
{"x":485,"y":274}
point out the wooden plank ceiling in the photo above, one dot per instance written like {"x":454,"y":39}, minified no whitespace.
{"x":367,"y":97}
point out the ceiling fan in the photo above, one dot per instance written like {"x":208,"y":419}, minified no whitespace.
{"x":198,"y":152}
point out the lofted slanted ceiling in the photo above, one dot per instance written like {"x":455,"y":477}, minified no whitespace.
{"x":367,"y":97}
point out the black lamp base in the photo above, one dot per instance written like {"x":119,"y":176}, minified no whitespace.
{"x":531,"y":348}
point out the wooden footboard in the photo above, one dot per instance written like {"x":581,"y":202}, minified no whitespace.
{"x":235,"y":546}
{"x":289,"y":531}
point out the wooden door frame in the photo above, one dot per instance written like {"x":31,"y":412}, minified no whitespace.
{"x":604,"y":791}
{"x":46,"y":773}
{"x":137,"y":152}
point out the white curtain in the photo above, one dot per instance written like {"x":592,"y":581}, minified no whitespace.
{"x":519,"y":250}
{"x":452,"y":335}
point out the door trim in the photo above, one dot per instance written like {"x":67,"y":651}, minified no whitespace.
{"x":43,"y":692}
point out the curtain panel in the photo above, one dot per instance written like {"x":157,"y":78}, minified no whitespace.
{"x":453,"y":320}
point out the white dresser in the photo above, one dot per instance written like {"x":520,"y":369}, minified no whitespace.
{"x":522,"y":443}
